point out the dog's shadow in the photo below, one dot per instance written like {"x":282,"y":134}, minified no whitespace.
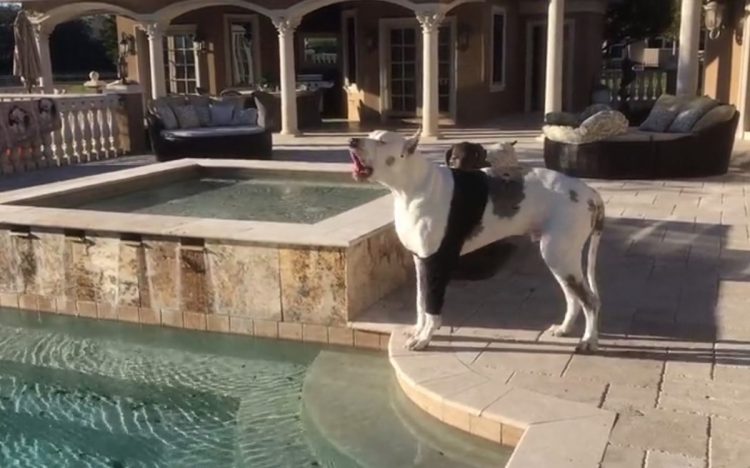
{"x":659,"y":298}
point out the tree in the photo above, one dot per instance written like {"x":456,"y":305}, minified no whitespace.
{"x":76,"y":47}
{"x":633,"y":20}
{"x":7,"y":15}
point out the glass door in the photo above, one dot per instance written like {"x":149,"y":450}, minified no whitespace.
{"x":403,"y":77}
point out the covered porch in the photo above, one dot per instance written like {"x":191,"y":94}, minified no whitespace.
{"x":427,"y":92}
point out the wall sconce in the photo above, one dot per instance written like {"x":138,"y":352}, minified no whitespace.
{"x":199,"y":43}
{"x":715,"y":17}
{"x":462,"y":37}
{"x":127,"y":44}
{"x":371,"y":40}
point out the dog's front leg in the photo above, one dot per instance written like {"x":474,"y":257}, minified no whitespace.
{"x":433,"y":274}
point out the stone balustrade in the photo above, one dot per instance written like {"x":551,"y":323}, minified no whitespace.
{"x":88,"y":127}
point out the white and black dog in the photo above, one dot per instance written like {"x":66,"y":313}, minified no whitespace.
{"x":441,"y":213}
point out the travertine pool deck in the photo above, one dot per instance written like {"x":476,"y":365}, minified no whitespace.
{"x":670,"y":386}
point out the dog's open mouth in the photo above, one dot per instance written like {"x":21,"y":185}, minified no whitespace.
{"x":361,"y":171}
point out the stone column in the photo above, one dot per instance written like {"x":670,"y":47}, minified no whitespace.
{"x":288,"y":75}
{"x":687,"y":64}
{"x":744,"y":93}
{"x":553,"y":90}
{"x":430,"y":21}
{"x":45,"y":59}
{"x":155,"y":33}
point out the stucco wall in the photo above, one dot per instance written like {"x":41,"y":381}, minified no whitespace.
{"x":475,"y":101}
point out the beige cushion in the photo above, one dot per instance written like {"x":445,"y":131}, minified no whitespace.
{"x":691,"y":113}
{"x":716,"y":115}
{"x":186,"y":116}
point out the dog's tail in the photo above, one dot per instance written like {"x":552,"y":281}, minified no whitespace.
{"x":596,"y":205}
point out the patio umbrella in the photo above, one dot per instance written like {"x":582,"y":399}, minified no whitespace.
{"x":26,"y":62}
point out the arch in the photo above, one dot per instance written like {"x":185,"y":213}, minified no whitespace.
{"x":172,"y":11}
{"x":450,"y":6}
{"x":72,"y":11}
{"x":304,"y":7}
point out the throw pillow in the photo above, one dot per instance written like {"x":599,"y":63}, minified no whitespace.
{"x":663,"y":114}
{"x":603,"y":125}
{"x":715,"y":116}
{"x":565,"y":119}
{"x":245,"y":117}
{"x":691,"y":113}
{"x":186,"y":116}
{"x":202,"y":108}
{"x":222,"y":114}
{"x":167,"y":117}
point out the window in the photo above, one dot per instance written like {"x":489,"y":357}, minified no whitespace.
{"x":243,"y":66}
{"x":180,"y":64}
{"x":497,"y":60}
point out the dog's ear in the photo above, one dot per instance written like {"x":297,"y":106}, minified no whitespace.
{"x":411,"y":143}
{"x":448,"y":156}
{"x":513,"y":143}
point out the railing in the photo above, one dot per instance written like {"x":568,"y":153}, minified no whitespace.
{"x":647,"y":86}
{"x":89,"y":132}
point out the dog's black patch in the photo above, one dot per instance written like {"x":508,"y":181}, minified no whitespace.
{"x":469,"y":200}
{"x":574,"y":196}
{"x":506,"y":193}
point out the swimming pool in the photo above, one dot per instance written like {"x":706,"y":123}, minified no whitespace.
{"x":79,"y":393}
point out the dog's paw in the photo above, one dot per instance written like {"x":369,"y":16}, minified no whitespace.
{"x":558,"y":330}
{"x":586,"y":347}
{"x":416,"y":344}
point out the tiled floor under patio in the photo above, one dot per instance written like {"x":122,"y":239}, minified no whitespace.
{"x":674,"y":271}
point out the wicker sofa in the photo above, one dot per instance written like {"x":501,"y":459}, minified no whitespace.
{"x":698,"y":145}
{"x":201,"y":127}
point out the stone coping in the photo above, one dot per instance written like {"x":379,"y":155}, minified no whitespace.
{"x":545,"y":431}
{"x":342,"y":230}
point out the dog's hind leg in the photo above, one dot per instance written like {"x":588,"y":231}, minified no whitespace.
{"x":563,"y":257}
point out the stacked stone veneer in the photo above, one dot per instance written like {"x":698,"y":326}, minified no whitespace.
{"x":294,"y":292}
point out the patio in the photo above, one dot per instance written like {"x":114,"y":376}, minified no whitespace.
{"x":673,"y":363}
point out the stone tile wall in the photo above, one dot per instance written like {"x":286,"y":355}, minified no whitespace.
{"x":302,"y":293}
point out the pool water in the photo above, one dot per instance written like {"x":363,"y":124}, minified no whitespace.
{"x":277,"y":200}
{"x":82,"y":393}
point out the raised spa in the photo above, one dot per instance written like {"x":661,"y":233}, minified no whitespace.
{"x":203,"y":244}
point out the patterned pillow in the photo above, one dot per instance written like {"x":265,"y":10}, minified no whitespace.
{"x":599,"y":126}
{"x":245,"y":117}
{"x":186,"y":116}
{"x":691,"y":113}
{"x":715,"y":116}
{"x":222,"y":114}
{"x":602,"y":125}
{"x":166,"y":115}
{"x":591,"y":110}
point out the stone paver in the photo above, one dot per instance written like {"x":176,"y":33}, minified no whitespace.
{"x":674,"y":358}
{"x":674,"y":363}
